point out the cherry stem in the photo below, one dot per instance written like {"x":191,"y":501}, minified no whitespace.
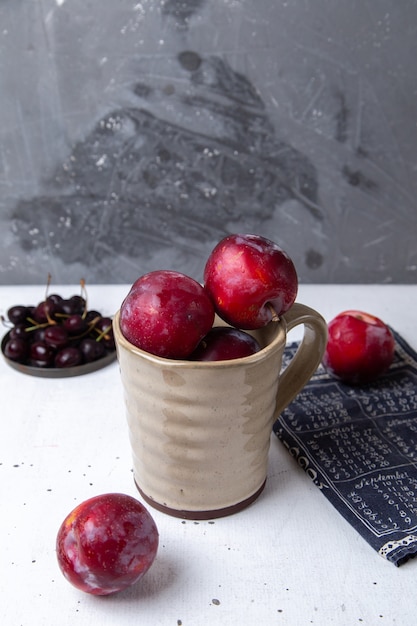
{"x":49,"y":319}
{"x":37,"y":325}
{"x":84,"y":295}
{"x":6,"y":322}
{"x":104,"y":334}
{"x":48,"y":284}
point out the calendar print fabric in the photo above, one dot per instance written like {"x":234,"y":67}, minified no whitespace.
{"x":359,"y":446}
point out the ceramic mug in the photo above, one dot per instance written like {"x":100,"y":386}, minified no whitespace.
{"x":200,"y":430}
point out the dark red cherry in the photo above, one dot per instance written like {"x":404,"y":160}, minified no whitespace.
{"x":75,"y":324}
{"x":91,"y":350}
{"x":18,"y":314}
{"x":68,"y":357}
{"x":17,"y":350}
{"x":56,"y":337}
{"x":41,"y":354}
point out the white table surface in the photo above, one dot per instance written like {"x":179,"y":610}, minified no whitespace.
{"x":288,"y":559}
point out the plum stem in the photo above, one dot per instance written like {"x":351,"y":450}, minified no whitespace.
{"x":274,"y":314}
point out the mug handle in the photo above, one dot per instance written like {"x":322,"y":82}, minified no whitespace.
{"x":308,"y":356}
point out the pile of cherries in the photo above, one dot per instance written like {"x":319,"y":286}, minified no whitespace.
{"x":58,"y":332}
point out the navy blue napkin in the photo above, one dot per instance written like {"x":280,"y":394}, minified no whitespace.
{"x":359,"y":446}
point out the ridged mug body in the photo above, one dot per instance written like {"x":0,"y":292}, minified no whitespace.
{"x":200,"y":431}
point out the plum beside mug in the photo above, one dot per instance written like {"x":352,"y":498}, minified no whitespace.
{"x":200,"y":431}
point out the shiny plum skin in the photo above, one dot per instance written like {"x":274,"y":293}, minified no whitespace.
{"x":223,"y":343}
{"x":106,"y":544}
{"x":251,"y":280}
{"x":166,"y":313}
{"x":360,"y":347}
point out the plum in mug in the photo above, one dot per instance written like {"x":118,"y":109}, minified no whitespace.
{"x":200,"y":430}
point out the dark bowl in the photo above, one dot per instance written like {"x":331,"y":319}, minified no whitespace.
{"x":58,"y":372}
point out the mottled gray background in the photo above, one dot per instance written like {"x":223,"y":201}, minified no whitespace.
{"x":134,"y":135}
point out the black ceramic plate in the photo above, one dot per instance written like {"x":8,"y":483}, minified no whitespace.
{"x":58,"y":372}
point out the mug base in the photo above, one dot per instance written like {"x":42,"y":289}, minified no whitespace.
{"x":202,"y":515}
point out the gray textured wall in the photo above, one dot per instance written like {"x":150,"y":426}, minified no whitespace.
{"x":134,"y":135}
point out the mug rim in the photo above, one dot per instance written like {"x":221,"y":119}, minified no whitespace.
{"x":278,"y":340}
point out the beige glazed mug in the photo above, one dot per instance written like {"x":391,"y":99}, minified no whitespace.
{"x":200,"y":431}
